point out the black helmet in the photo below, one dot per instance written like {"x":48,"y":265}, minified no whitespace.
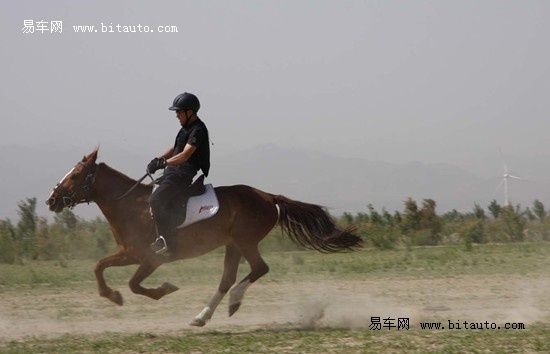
{"x":186,"y":101}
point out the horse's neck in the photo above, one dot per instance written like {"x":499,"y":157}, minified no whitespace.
{"x":111,"y":184}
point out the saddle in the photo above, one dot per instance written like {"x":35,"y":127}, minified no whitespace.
{"x":201,"y":204}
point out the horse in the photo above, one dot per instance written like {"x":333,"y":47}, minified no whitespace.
{"x":245,"y":216}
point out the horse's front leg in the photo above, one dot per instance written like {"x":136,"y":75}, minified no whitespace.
{"x":144,"y":270}
{"x":116,"y":260}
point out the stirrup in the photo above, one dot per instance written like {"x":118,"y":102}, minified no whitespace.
{"x":159,"y":246}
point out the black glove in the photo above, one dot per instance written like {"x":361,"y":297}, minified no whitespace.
{"x":156,"y":164}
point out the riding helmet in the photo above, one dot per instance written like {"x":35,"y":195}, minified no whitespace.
{"x":186,"y":101}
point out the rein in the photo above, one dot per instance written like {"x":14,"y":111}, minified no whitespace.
{"x":69,"y":198}
{"x":134,"y":186}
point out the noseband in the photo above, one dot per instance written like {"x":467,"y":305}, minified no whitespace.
{"x":68,"y":198}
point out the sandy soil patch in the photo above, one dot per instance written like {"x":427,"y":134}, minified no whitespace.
{"x":305,"y":304}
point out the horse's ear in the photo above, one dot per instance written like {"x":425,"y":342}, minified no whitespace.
{"x":91,"y":158}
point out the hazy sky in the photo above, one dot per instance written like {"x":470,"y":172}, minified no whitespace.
{"x":383,"y":80}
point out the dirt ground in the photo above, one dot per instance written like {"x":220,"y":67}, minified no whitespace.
{"x":347,"y":304}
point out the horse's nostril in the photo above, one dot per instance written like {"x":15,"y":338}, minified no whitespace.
{"x":50,"y":201}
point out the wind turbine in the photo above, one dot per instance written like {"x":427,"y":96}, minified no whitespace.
{"x":505,"y":177}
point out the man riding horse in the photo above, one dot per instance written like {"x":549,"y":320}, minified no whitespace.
{"x":244,"y":217}
{"x":189,"y":154}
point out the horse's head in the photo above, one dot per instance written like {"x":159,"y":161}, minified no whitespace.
{"x":75,"y":187}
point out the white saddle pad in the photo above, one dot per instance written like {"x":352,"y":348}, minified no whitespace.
{"x":201,"y":207}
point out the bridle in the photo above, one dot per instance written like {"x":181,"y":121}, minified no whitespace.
{"x":69,"y":200}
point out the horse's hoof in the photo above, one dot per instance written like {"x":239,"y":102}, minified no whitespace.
{"x":169,"y":288}
{"x":116,"y":298}
{"x":197,"y":322}
{"x":233,"y":308}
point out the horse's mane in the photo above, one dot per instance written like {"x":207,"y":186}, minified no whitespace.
{"x":121,"y":176}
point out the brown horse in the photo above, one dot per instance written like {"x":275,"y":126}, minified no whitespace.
{"x":245,"y":217}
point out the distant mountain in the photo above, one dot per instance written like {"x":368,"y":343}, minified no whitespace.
{"x":347,"y":184}
{"x":350,"y":184}
{"x":341,"y":184}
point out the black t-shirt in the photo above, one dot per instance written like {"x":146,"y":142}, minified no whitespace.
{"x":197,"y":135}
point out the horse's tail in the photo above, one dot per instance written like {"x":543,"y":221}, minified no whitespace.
{"x":312,"y":227}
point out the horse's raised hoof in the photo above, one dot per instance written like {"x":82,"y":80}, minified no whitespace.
{"x":197,"y":322}
{"x":169,"y":288}
{"x":233,"y":308}
{"x":116,"y":298}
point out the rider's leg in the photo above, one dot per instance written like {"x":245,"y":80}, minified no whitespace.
{"x":164,"y":203}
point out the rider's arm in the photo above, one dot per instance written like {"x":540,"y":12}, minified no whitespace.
{"x":168,"y":154}
{"x":182,"y":156}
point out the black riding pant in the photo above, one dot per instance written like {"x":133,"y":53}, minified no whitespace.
{"x":167,"y":203}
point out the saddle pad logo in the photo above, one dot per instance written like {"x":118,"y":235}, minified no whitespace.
{"x":207,"y":208}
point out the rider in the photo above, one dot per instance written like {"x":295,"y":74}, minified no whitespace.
{"x":190,"y":153}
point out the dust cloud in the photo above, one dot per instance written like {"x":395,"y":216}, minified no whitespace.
{"x":330,"y":307}
{"x":353,"y":305}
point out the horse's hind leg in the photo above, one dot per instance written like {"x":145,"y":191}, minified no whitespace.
{"x":116,"y":260}
{"x":258,"y":269}
{"x":230,"y":267}
{"x":144,"y":270}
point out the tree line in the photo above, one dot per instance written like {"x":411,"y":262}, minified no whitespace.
{"x":422,"y":226}
{"x":70,"y":237}
{"x":67,"y":237}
